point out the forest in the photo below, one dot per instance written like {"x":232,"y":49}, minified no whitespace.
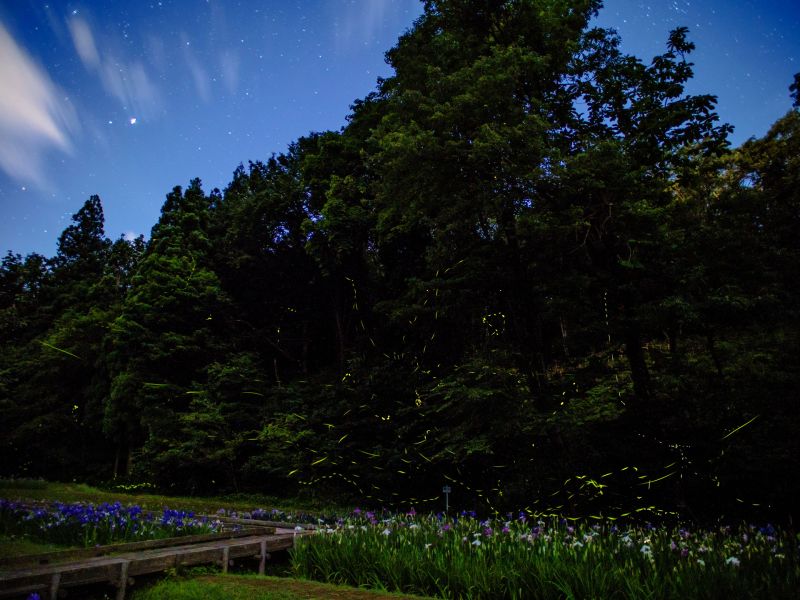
{"x":530,"y":267}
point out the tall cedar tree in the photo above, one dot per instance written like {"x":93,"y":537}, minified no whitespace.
{"x":172,"y":326}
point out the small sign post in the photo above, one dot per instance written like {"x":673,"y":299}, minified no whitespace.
{"x":446,"y":489}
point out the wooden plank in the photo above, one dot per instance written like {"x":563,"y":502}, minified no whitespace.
{"x":62,"y":567}
{"x":74,"y":575}
{"x":259,"y":522}
{"x":118,"y":568}
{"x":44,"y":558}
{"x":26,"y":590}
{"x":207,"y":553}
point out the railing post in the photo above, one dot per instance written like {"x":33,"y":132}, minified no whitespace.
{"x":262,"y":566}
{"x":123,"y":580}
{"x":54,"y":583}
{"x":225,"y":557}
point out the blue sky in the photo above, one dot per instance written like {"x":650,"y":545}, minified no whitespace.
{"x":126,"y":99}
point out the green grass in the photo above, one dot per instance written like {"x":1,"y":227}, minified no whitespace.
{"x":247,"y":587}
{"x":12,"y":546}
{"x":22,"y":484}
{"x":38,"y":490}
{"x":194,"y":589}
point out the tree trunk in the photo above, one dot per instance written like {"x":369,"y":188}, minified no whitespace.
{"x":339,"y":340}
{"x":672,"y":336}
{"x":635,"y":355}
{"x":304,"y":359}
{"x":712,"y":350}
{"x":339,"y":321}
{"x":277,"y":373}
{"x":116,"y":459}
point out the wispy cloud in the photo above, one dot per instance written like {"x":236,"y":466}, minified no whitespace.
{"x":361,"y":22}
{"x":84,"y":42}
{"x":199,"y":74}
{"x":229,"y":65}
{"x":34,"y":114}
{"x":127,"y":81}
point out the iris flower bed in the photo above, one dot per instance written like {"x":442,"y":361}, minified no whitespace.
{"x":464,"y":557}
{"x":87,"y":525}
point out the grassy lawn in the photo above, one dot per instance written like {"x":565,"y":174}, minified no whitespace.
{"x":11,"y":546}
{"x":250,"y":587}
{"x":35,"y":490}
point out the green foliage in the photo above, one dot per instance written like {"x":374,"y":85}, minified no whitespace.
{"x":146,"y":497}
{"x":53,"y":401}
{"x":528,"y":266}
{"x":505,"y":559}
{"x":167,"y":332}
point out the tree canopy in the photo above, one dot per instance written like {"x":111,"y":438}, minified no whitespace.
{"x":530,"y":267}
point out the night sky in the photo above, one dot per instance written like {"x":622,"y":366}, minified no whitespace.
{"x":126,"y":99}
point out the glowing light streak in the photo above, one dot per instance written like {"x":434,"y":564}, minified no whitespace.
{"x":67,"y":352}
{"x":730,"y":433}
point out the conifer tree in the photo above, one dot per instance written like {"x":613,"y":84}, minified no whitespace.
{"x":171,"y":327}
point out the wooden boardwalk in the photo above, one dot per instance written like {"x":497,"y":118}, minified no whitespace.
{"x":19,"y":577}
